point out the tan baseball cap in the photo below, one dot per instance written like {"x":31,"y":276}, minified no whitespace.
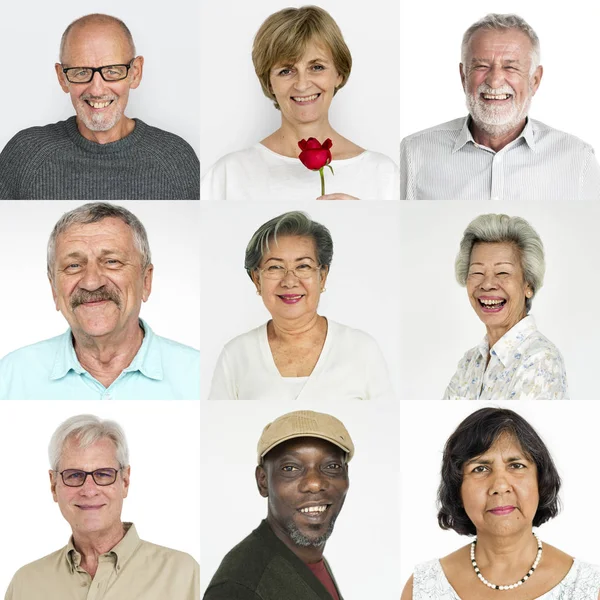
{"x":304,"y":423}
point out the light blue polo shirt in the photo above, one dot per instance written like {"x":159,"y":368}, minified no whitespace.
{"x":49,"y":370}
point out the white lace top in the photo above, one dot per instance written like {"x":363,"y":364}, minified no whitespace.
{"x":582,"y":582}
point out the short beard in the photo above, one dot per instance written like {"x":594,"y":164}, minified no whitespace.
{"x":494,"y":123}
{"x":97,"y":122}
{"x":308,"y":542}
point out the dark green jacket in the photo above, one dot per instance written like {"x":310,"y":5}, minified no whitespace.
{"x":262,"y":567}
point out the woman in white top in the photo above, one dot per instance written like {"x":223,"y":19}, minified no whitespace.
{"x":298,"y":353}
{"x":498,"y":481}
{"x":501,"y":263}
{"x":301,"y":61}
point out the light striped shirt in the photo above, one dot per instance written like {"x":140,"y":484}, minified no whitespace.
{"x":445,"y":163}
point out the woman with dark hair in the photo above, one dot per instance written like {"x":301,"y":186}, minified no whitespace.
{"x":498,"y":482}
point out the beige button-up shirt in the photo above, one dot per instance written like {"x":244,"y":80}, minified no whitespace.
{"x":132,"y":570}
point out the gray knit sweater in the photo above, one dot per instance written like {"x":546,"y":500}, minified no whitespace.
{"x":56,"y":162}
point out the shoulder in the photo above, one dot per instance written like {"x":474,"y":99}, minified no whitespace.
{"x":252,"y":155}
{"x":40,"y":351}
{"x":567,"y":141}
{"x":162,"y":556}
{"x":169,"y":144}
{"x":176,"y":348}
{"x":538,"y":347}
{"x":38,"y":569}
{"x":437,"y":131}
{"x":344,"y":334}
{"x":245,"y":564}
{"x":378,"y":161}
{"x":40,"y":134}
{"x":247,"y":340}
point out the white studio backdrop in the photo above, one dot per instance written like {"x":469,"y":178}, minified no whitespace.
{"x":365,"y":539}
{"x":569,"y":430}
{"x":166,"y":36}
{"x":430,"y":39}
{"x":438,"y":324}
{"x":235,"y":112}
{"x":27,"y":311}
{"x":164,"y":493}
{"x":362,"y":287}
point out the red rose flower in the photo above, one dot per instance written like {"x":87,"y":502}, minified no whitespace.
{"x":315,"y":155}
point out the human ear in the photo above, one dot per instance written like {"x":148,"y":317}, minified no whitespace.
{"x":61,"y":78}
{"x":262,"y":481}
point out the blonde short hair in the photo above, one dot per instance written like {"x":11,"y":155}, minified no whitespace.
{"x":284,"y":35}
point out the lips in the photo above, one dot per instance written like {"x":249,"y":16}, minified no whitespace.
{"x":89,"y":506}
{"x":315,"y":511}
{"x":306,"y":99}
{"x":98,"y":104}
{"x":496,"y":97}
{"x":290,"y":298}
{"x":502,"y":510}
{"x":491,"y":304}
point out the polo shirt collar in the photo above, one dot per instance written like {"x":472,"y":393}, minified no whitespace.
{"x":465,"y":136}
{"x":121,"y":553}
{"x":506,"y":349}
{"x":147,"y":361}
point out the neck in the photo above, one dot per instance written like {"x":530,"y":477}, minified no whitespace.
{"x":92,"y":545}
{"x":495,"y":141}
{"x":105,"y":357}
{"x":307,"y":554}
{"x":285,"y":139}
{"x":122,"y":129}
{"x":290,"y":330}
{"x":505,"y":551}
{"x":495,"y":333}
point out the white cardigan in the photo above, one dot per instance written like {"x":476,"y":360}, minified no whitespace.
{"x":258,"y":173}
{"x":350,"y":367}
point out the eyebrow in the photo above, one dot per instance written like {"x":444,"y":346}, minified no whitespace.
{"x":487,"y":60}
{"x":505,"y":262}
{"x":483,"y":461}
{"x":296,"y":259}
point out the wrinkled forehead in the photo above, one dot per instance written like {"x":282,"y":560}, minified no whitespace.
{"x":111,"y":231}
{"x":499,"y":44}
{"x":495,"y":252}
{"x":294,"y":50}
{"x":89,"y":43}
{"x":288,"y":246}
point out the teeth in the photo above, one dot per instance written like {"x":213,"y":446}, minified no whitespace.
{"x":496,"y":96}
{"x":490,"y":302}
{"x":305,"y":98}
{"x":314,"y":509}
{"x":99,"y":104}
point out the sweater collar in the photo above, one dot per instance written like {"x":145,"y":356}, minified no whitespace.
{"x":121,"y":145}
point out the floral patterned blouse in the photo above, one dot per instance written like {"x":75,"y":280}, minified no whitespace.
{"x":523,"y":365}
{"x":582,"y":582}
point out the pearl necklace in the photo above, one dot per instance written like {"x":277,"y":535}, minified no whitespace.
{"x":536,"y":562}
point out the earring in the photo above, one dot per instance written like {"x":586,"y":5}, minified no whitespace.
{"x":323,"y":290}
{"x":528,"y":293}
{"x":258,"y":292}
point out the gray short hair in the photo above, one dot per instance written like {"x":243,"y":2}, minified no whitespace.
{"x":499,"y":22}
{"x":92,"y":212}
{"x":100,"y":19}
{"x":504,"y":229}
{"x":87,"y":430}
{"x":289,"y":223}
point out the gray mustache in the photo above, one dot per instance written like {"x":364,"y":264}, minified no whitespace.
{"x":103,"y":293}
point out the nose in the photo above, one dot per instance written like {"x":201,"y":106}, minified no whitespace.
{"x":89,"y":487}
{"x":92,"y":278}
{"x":500,"y":485}
{"x":495,"y":77}
{"x":489,"y":282}
{"x":313,"y":482}
{"x":289,"y":279}
{"x":96,"y":87}
{"x":302,"y":82}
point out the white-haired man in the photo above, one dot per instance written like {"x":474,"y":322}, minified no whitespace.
{"x":100,"y":272}
{"x":105,"y":559}
{"x":498,"y":152}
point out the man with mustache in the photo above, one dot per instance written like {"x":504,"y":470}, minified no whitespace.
{"x":302,"y":470}
{"x":100,"y":153}
{"x":105,"y":558}
{"x":498,"y":152}
{"x":100,"y":271}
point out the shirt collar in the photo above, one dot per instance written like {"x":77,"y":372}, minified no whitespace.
{"x":506,"y":348}
{"x":147,"y":361}
{"x":121,"y":553}
{"x":465,"y":136}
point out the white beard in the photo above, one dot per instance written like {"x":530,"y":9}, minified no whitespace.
{"x":497,"y":121}
{"x":99,"y":121}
